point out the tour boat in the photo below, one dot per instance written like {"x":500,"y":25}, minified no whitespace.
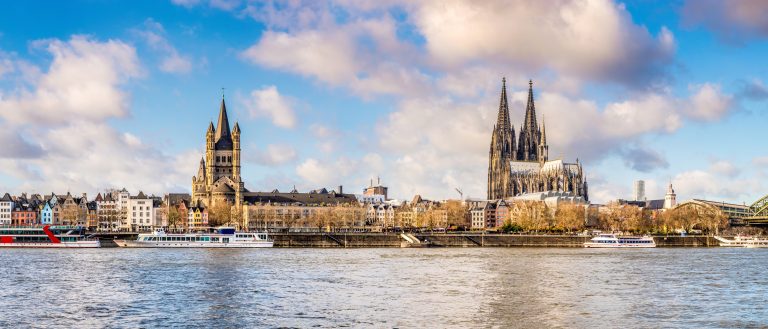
{"x":743,"y":242}
{"x":225,"y":237}
{"x":45,"y":237}
{"x":613,"y":241}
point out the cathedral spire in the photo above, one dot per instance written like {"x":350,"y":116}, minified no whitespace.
{"x":543,"y":132}
{"x":502,"y":122}
{"x":528,"y":142}
{"x":222,"y":128}
{"x":530,"y":109}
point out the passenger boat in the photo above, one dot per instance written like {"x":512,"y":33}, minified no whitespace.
{"x":45,"y":237}
{"x":743,"y":242}
{"x":225,"y":237}
{"x":613,"y":241}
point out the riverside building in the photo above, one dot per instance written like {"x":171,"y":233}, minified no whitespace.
{"x":521,"y":165}
{"x":218,"y":182}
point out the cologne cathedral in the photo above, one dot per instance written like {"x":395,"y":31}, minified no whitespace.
{"x":522,"y":165}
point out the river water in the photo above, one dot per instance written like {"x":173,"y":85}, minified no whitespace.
{"x":407,"y":288}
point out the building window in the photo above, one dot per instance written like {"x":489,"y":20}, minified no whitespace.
{"x":229,"y":159}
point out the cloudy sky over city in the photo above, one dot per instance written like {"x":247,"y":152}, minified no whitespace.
{"x":96,"y":95}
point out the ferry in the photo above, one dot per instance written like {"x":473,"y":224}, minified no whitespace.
{"x":743,"y":242}
{"x":225,"y":237}
{"x":45,"y":237}
{"x":613,"y":241}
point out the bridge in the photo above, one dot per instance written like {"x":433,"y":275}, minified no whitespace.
{"x":738,"y":214}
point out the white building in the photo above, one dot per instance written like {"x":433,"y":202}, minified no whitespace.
{"x":477,"y":214}
{"x":382,"y":215}
{"x":552,"y":199}
{"x":6,"y":205}
{"x":122,"y":203}
{"x":670,"y":199}
{"x":370,"y":199}
{"x":141,"y":213}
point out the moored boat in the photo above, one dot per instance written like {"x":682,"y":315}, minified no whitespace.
{"x":614,"y":241}
{"x":45,"y":237}
{"x":225,"y":237}
{"x":743,"y":242}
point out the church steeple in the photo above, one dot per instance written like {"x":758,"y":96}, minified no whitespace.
{"x":502,"y":150}
{"x":528,"y":143}
{"x":502,"y":122}
{"x":222,"y":128}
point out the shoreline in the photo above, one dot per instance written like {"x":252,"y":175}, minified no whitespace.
{"x":448,"y":240}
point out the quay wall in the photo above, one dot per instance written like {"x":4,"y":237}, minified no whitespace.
{"x":379,"y":240}
{"x":394,"y":240}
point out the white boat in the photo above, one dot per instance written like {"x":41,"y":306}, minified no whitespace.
{"x":613,"y":241}
{"x":46,"y":236}
{"x":743,"y":242}
{"x":225,"y":237}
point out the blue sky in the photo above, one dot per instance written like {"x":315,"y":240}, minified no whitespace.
{"x":96,"y":94}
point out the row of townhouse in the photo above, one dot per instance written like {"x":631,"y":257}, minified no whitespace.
{"x":488,"y":214}
{"x":418,"y":213}
{"x":113,"y":211}
{"x":190,"y":216}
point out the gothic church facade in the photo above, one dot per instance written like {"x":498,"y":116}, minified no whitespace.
{"x":521,"y":165}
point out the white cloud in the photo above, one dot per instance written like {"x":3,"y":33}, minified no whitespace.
{"x":315,"y":173}
{"x":225,"y":4}
{"x":186,"y":3}
{"x":275,"y":155}
{"x":709,"y":103}
{"x":6,"y":65}
{"x":153,"y":34}
{"x":267,"y":102}
{"x":58,"y":124}
{"x":64,"y":93}
{"x":595,"y":39}
{"x":724,"y":168}
{"x":325,"y":55}
{"x":732,"y":21}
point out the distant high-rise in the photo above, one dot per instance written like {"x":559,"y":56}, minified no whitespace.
{"x":639,"y":190}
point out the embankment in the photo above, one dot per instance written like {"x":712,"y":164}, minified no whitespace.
{"x":393,"y":240}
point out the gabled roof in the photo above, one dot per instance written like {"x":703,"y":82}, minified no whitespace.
{"x":98,"y":198}
{"x":7,"y":198}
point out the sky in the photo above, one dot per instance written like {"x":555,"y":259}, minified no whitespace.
{"x":100,"y":94}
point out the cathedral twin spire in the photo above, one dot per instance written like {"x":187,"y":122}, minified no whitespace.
{"x":531,"y":144}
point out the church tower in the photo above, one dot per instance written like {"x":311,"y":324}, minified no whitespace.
{"x":528,"y":143}
{"x":670,"y":199}
{"x":218,"y":179}
{"x":502,"y":151}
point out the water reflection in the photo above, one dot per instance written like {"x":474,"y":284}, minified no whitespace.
{"x":490,"y":287}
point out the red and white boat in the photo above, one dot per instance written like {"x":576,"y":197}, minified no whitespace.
{"x":45,"y":237}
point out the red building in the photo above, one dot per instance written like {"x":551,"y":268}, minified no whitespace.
{"x":24,"y":215}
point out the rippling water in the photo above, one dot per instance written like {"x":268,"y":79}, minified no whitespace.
{"x":452,"y":287}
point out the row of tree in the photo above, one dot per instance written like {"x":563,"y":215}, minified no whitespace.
{"x":537,"y":217}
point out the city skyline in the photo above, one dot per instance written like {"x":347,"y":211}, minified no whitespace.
{"x":336,"y":94}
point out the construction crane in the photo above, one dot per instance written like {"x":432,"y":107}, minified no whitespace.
{"x":461,"y":193}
